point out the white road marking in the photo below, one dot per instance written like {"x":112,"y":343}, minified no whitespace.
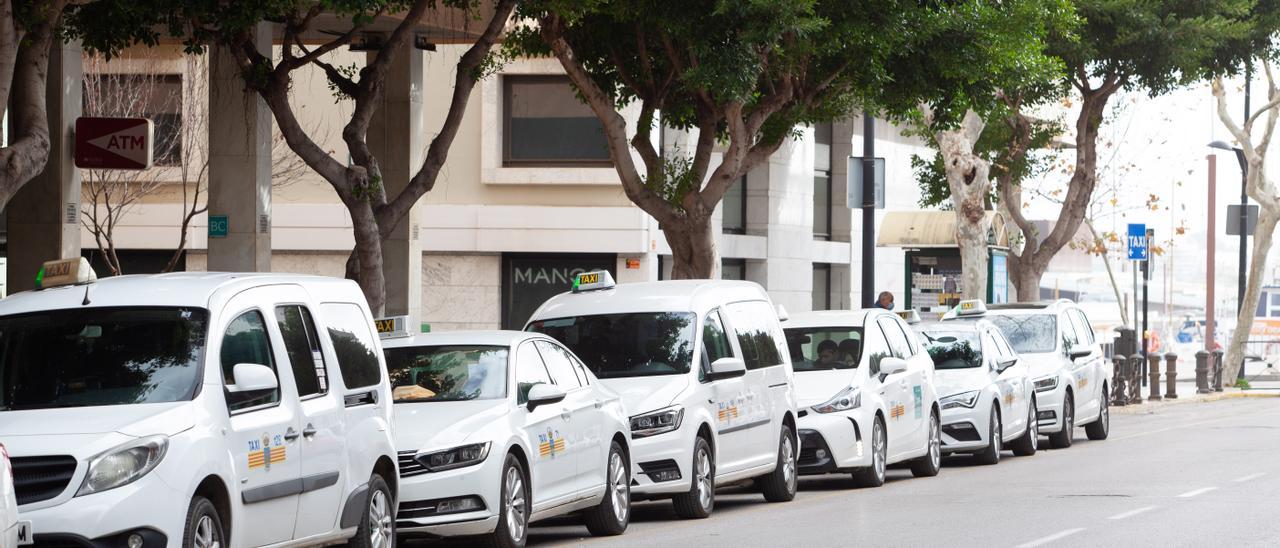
{"x":1249,"y":477}
{"x":1046,"y":540}
{"x":1132,"y":513}
{"x":1197,"y":492}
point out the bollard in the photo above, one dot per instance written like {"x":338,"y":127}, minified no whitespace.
{"x":1202,"y":372}
{"x":1135,"y":379}
{"x":1153,"y":370}
{"x":1171,"y":376}
{"x":1118,"y":373}
{"x":1217,"y":370}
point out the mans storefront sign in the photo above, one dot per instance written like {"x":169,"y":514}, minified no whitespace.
{"x":114,"y":143}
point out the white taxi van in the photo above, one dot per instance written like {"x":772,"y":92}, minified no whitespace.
{"x":196,"y":409}
{"x":1070,"y":373}
{"x":987,"y":395}
{"x":10,"y":534}
{"x":867,"y":396}
{"x":702,"y":368}
{"x":498,"y":429}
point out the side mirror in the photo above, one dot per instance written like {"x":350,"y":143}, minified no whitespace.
{"x":727,"y":368}
{"x":1077,"y":354}
{"x":892,"y":366}
{"x":1002,"y":366}
{"x":252,"y":377}
{"x":543,"y":394}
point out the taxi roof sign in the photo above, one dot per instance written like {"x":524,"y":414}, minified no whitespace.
{"x":395,"y":327}
{"x":74,"y":271}
{"x":910,"y":315}
{"x":971,"y":307}
{"x":592,"y":281}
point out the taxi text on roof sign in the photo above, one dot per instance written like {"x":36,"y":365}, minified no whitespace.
{"x":65,"y":272}
{"x":392,"y":328}
{"x":590,"y":281}
{"x":971,"y":307}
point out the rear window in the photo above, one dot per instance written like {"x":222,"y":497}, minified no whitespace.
{"x":352,"y":337}
{"x":824,"y":348}
{"x":953,"y":349}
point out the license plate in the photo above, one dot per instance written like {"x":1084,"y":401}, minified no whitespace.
{"x":24,"y":534}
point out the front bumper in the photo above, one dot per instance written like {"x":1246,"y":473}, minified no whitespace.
{"x":656,"y":457}
{"x":1049,"y":409}
{"x":965,"y":430}
{"x":146,"y":508}
{"x":419,"y":494}
{"x":832,"y":442}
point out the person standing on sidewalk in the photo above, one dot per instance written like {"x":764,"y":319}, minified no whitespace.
{"x":885,"y":300}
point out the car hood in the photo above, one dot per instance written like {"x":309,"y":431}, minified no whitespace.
{"x":644,"y":394}
{"x":1041,"y":364}
{"x":954,"y":381}
{"x":132,"y":420}
{"x":815,"y":387}
{"x":435,"y":425}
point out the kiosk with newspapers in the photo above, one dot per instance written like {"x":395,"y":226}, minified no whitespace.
{"x":932,"y":259}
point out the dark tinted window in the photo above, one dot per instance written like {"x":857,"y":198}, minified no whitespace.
{"x":529,"y":371}
{"x":754,"y":323}
{"x":627,"y":345}
{"x":559,"y":365}
{"x":353,"y":345}
{"x":953,"y":349}
{"x":447,"y":373}
{"x":877,"y":348}
{"x":822,"y":348}
{"x":246,"y":341}
{"x":100,"y":356}
{"x":715,"y":342}
{"x":303,"y":345}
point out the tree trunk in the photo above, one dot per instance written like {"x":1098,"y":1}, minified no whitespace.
{"x":968,"y":176}
{"x":365,"y":264}
{"x":1027,"y":283}
{"x":693,"y":250}
{"x":1266,"y":228}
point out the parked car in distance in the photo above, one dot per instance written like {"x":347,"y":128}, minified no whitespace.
{"x":867,"y":396}
{"x":196,"y":409}
{"x":1072,"y":378}
{"x":702,"y":368}
{"x":499,"y":429}
{"x":987,"y":396}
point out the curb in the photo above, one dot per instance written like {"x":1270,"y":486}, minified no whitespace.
{"x":1148,"y":407}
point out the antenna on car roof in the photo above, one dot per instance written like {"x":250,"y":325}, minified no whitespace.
{"x":85,"y":302}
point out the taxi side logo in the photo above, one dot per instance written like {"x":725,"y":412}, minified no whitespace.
{"x":1083,"y":382}
{"x":1008,"y":399}
{"x":550,"y":444}
{"x":262,"y":454}
{"x":727,"y":412}
{"x":897,"y":411}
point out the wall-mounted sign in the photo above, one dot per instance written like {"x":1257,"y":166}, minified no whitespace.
{"x":217,"y":226}
{"x":114,"y":143}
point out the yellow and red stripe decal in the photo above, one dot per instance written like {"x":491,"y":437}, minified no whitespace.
{"x":548,"y":448}
{"x":728,"y":413}
{"x":258,"y":459}
{"x":897,"y":411}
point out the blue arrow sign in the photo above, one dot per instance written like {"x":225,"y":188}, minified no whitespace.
{"x":1137,"y":241}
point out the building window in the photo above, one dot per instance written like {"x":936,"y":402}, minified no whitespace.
{"x":821,"y":286}
{"x":822,"y":181}
{"x":154,"y":96}
{"x":733,"y":269}
{"x":735,"y":208}
{"x":544,"y":124}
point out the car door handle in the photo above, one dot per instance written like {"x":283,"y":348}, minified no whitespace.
{"x":291,"y":434}
{"x":566,"y":414}
{"x":599,"y":404}
{"x":310,"y":431}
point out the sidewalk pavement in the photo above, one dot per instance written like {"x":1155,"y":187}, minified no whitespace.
{"x":1187,"y":394}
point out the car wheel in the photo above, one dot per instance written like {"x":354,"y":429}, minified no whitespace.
{"x":930,"y":464}
{"x":995,"y":441}
{"x":1026,"y":445}
{"x":873,"y":476}
{"x":614,"y":512}
{"x":701,"y":498}
{"x":780,"y":485}
{"x":513,"y":521}
{"x":204,"y":526}
{"x":1062,"y":439}
{"x":378,"y":524}
{"x":1099,"y":430}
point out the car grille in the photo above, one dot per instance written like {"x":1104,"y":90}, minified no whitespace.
{"x":41,"y":478}
{"x":410,"y":466}
{"x":962,"y":432}
{"x":810,"y":443}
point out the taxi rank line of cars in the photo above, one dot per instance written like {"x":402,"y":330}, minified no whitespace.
{"x":209,"y":409}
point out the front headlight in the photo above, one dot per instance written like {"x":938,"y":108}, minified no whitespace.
{"x":849,"y":398}
{"x":457,"y":457}
{"x":657,"y":422}
{"x":123,"y":464}
{"x":963,"y":399}
{"x":1045,"y":384}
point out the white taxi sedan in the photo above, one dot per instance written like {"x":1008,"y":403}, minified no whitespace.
{"x":499,"y":429}
{"x":987,"y":396}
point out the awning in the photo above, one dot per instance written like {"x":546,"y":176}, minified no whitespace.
{"x":932,"y":229}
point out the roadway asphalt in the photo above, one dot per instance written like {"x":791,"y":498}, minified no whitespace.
{"x":1202,"y":474}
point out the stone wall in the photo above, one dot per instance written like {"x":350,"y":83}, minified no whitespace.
{"x":462,"y":291}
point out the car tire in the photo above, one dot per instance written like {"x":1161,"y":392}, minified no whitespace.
{"x":701,"y":498}
{"x":377,"y":527}
{"x":204,"y":525}
{"x":873,"y":476}
{"x":1099,"y":430}
{"x":613,"y":513}
{"x":929,"y":464}
{"x":1027,"y":445}
{"x":780,"y":484}
{"x":995,"y":439}
{"x":515,"y":500}
{"x":1062,"y":439}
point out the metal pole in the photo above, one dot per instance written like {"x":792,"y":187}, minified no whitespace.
{"x":1146,"y":267}
{"x":1209,"y":250}
{"x":1244,"y":195}
{"x":868,"y":209}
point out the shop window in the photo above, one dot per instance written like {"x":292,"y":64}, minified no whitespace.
{"x":821,"y":286}
{"x":733,"y":269}
{"x":822,"y":181}
{"x":544,"y":124}
{"x":734,"y":220}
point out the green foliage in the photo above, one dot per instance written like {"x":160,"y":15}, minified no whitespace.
{"x":992,"y":146}
{"x":346,"y":71}
{"x":1243,"y":384}
{"x":674,"y":180}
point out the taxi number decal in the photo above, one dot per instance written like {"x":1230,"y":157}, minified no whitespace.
{"x":265,"y":452}
{"x":919,"y":399}
{"x":550,"y":444}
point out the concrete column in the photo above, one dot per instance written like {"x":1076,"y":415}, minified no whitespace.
{"x":788,"y":190}
{"x":44,"y":217}
{"x":239,"y":164}
{"x":397,"y":141}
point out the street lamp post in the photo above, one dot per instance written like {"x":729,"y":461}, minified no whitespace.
{"x":1244,"y":216}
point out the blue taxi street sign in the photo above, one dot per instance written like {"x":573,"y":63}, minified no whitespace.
{"x":217,"y":226}
{"x":1137,"y":241}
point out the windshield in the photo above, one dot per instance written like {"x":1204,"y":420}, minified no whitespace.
{"x":1029,"y":333}
{"x":100,"y":356}
{"x":953,"y":349}
{"x":824,"y":348}
{"x":627,"y":345}
{"x":447,"y":373}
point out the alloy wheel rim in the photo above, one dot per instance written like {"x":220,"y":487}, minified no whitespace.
{"x":935,"y":443}
{"x":788,"y":464}
{"x":1106,"y":415}
{"x":206,"y":534}
{"x":379,"y":520}
{"x":996,"y":433}
{"x":620,"y":490}
{"x":703,"y":477}
{"x":1034,"y":425}
{"x":515,"y":505}
{"x":878,"y":451}
{"x":1069,"y":415}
